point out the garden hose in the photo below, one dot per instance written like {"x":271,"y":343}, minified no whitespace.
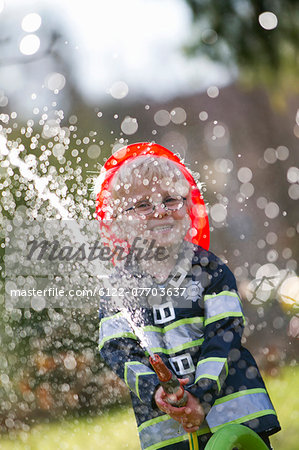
{"x":193,"y":441}
{"x":234,"y":436}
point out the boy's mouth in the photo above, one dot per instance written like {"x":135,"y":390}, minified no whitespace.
{"x":161,"y":228}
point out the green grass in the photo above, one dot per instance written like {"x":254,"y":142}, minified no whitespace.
{"x":284,"y":393}
{"x":116,"y":430}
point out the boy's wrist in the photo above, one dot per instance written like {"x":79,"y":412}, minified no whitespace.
{"x":206,"y":391}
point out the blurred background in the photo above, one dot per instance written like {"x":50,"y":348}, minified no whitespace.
{"x":216,"y":83}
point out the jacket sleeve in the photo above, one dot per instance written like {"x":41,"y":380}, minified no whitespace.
{"x":223,"y":327}
{"x":120,"y":348}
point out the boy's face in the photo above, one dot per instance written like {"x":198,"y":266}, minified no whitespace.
{"x":153,"y":212}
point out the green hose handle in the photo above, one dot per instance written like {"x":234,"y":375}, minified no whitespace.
{"x":235,"y":436}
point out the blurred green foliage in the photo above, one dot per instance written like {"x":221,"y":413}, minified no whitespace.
{"x":230,"y":32}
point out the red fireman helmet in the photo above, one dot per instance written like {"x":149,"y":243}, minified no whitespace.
{"x":199,"y":232}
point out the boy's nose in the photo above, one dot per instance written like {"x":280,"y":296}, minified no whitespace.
{"x":160,"y":210}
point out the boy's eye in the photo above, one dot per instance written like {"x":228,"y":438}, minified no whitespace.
{"x":143,"y":205}
{"x":171,"y":200}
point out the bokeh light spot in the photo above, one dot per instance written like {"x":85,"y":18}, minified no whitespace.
{"x":294,"y":191}
{"x":282,"y":153}
{"x":94,"y":151}
{"x":244,"y":174}
{"x":272,"y":210}
{"x":218,"y":212}
{"x":213,"y":91}
{"x":178,"y":115}
{"x":162,"y":118}
{"x":268,"y":20}
{"x":293,"y":175}
{"x":119,"y":90}
{"x":55,"y":81}
{"x":29,"y":44}
{"x":31,"y":22}
{"x":223,"y":165}
{"x":203,"y":115}
{"x":209,"y":36}
{"x":270,"y":156}
{"x":129,"y":125}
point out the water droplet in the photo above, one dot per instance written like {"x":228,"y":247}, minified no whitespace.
{"x":162,"y":118}
{"x":271,"y":238}
{"x":209,"y":36}
{"x":272,"y":256}
{"x":213,"y":91}
{"x":223,"y":165}
{"x":70,"y":362}
{"x":282,"y":153}
{"x":247,"y":189}
{"x":218,"y":212}
{"x":219,"y":131}
{"x":293,"y":175}
{"x":55,"y":81}
{"x":94,"y":151}
{"x":203,"y":115}
{"x":270,"y":156}
{"x":119,"y":90}
{"x":38,"y":303}
{"x":129,"y":125}
{"x":272,"y":210}
{"x":58,"y":150}
{"x":31,"y":22}
{"x":178,"y":115}
{"x":268,"y":20}
{"x":29,"y":44}
{"x":244,"y":174}
{"x":294,"y":191}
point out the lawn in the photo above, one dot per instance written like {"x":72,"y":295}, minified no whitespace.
{"x":116,"y":430}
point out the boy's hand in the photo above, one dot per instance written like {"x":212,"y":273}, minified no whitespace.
{"x":190,"y":416}
{"x":194,"y":414}
{"x":163,"y":405}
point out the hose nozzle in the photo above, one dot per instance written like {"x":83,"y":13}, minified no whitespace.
{"x":169,"y":381}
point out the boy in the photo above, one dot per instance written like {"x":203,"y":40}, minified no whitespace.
{"x":185,"y":302}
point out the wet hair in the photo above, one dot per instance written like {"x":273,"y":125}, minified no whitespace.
{"x":140,"y":171}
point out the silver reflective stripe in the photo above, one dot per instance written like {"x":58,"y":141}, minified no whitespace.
{"x":114,"y":327}
{"x":162,"y":431}
{"x":175,"y":337}
{"x":133,"y":370}
{"x":213,"y":368}
{"x":225,"y":304}
{"x":239,"y":407}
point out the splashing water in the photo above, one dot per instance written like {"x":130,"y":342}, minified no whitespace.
{"x":139,"y":332}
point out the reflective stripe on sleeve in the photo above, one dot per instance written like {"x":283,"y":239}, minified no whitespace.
{"x":162,"y":431}
{"x":178,"y":336}
{"x":133,"y":370}
{"x":234,"y":408}
{"x":239,"y":408}
{"x":213,"y":368}
{"x":225,"y":304}
{"x":114,"y":327}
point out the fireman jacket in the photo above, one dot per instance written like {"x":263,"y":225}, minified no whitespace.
{"x":195,"y":325}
